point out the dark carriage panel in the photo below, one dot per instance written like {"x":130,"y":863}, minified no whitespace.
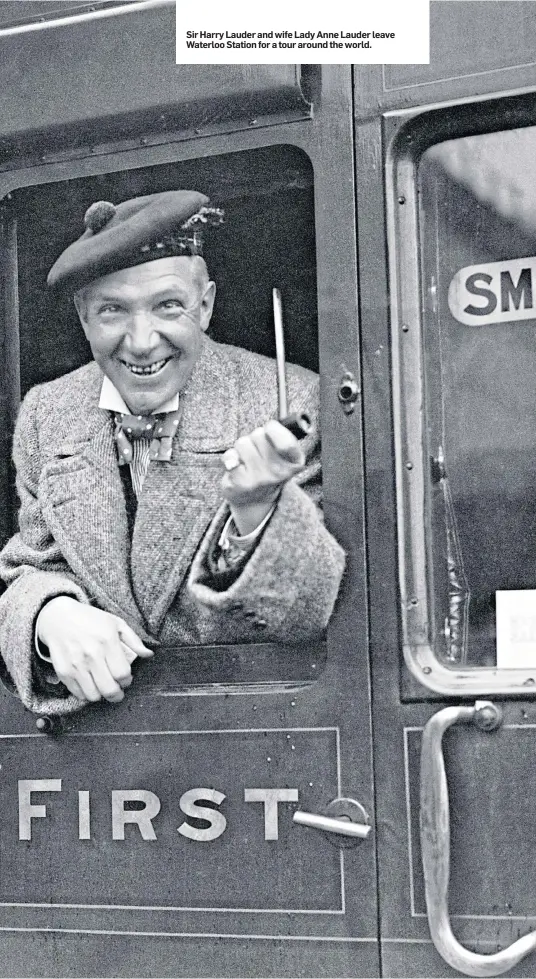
{"x":229,"y":719}
{"x":236,"y":855}
{"x":485,"y":40}
{"x":491,"y":824}
{"x":149,"y":97}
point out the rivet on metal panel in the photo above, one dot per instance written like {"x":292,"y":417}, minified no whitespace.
{"x":409,"y":465}
{"x":401,"y":199}
{"x":405,"y":328}
{"x":487,"y":715}
{"x":427,"y":669}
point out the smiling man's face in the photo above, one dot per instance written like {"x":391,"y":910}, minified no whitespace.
{"x":145,"y":327}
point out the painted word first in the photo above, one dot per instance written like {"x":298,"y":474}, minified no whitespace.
{"x":149,"y":805}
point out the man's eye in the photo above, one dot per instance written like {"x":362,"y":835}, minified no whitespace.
{"x":109,"y":308}
{"x":171,"y":304}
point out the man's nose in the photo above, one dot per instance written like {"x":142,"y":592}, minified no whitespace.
{"x":141,"y":336}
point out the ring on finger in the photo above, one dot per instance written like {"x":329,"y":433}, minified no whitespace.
{"x":231,"y":460}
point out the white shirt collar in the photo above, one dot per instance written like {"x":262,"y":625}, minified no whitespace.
{"x":111,"y":400}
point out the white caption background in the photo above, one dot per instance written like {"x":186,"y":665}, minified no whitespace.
{"x":387,"y":32}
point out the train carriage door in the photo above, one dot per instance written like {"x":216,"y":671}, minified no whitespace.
{"x":156,"y":837}
{"x":457,"y":889}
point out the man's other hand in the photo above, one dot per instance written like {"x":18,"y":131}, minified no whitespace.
{"x":256,"y":468}
{"x":91,"y":650}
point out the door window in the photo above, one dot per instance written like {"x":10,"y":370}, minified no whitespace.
{"x":470,"y":581}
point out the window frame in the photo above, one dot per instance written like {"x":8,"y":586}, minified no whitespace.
{"x":407,"y":134}
{"x":312,"y":655}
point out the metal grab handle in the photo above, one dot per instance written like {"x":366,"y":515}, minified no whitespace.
{"x":435,"y":846}
{"x":330,"y":825}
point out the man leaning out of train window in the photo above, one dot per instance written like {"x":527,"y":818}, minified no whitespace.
{"x":161,"y":502}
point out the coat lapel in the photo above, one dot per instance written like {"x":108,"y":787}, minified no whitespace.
{"x":83,"y":502}
{"x":179,"y":498}
{"x":82,"y":494}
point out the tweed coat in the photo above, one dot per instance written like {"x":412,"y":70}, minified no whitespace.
{"x":74,"y":538}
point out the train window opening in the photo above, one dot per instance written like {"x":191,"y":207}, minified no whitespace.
{"x":266,"y":241}
{"x":470,"y":584}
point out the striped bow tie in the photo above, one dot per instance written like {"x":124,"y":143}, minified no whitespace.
{"x":160,"y":429}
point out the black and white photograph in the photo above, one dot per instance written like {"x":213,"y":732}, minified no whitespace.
{"x":267,"y":486}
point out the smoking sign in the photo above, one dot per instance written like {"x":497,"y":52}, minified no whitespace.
{"x":498,"y":292}
{"x":277,"y":34}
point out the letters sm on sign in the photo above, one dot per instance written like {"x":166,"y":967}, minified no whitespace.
{"x":498,"y":292}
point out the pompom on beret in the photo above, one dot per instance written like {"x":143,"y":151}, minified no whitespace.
{"x":136,"y":231}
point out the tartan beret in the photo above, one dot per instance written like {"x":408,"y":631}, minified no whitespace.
{"x":136,"y":231}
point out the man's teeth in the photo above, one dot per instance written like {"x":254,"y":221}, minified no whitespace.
{"x":151,"y":369}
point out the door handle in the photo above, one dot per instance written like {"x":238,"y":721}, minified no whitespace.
{"x":342,"y":817}
{"x":330,"y":825}
{"x":435,"y":846}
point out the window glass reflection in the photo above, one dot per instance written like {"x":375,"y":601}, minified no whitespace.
{"x":478,"y":251}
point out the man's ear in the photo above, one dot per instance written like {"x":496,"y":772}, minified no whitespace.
{"x":207,"y":305}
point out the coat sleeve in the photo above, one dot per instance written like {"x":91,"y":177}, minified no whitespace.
{"x":288,"y":587}
{"x":34,"y":571}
